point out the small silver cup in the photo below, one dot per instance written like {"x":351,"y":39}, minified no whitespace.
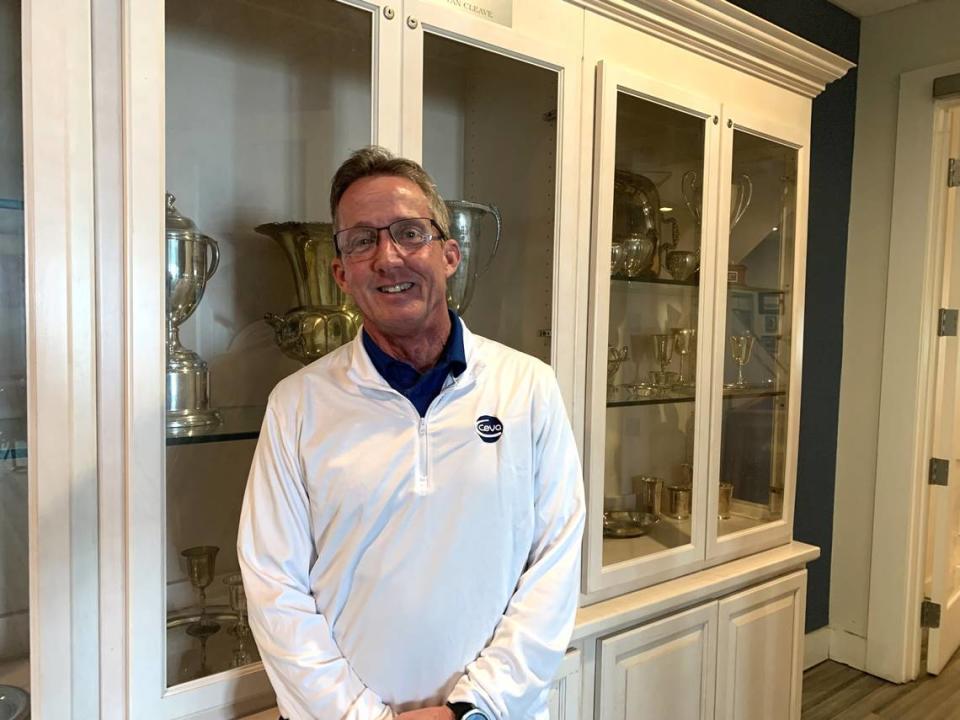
{"x":648,"y":490}
{"x":678,"y":501}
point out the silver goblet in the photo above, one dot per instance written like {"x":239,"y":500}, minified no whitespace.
{"x":201,"y":568}
{"x":663,"y":350}
{"x":741,"y":347}
{"x":615,"y":357}
{"x":684,"y":341}
{"x":238,"y":603}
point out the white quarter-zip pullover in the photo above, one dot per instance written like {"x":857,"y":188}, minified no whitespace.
{"x":393,"y":562}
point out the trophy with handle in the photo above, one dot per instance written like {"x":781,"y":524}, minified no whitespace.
{"x":465,"y":217}
{"x":192,"y":259}
{"x":325,"y":317}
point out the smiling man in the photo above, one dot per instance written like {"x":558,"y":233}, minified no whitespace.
{"x":410,"y":533}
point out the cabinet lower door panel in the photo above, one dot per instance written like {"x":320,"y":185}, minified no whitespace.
{"x":661,"y":671}
{"x":565,"y":691}
{"x":760,"y":651}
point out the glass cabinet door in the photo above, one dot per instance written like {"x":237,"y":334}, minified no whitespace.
{"x":263,"y":102}
{"x":652,"y":278}
{"x":14,"y":559}
{"x":490,"y":143}
{"x":758,"y":333}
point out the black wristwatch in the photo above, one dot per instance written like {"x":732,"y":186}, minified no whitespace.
{"x":467,"y":711}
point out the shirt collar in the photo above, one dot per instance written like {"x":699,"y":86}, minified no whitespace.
{"x":452,"y":360}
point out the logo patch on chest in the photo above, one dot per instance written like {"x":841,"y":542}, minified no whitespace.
{"x":489,"y":428}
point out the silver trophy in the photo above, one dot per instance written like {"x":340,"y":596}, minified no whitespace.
{"x":326,"y":317}
{"x":465,"y":220}
{"x":192,"y":259}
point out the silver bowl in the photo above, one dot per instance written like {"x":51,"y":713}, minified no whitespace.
{"x":682,"y":264}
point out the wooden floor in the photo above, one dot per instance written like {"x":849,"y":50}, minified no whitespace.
{"x":832,"y":691}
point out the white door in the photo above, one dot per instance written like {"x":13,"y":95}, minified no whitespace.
{"x":664,"y":670}
{"x":760,"y":651}
{"x":944,"y":510}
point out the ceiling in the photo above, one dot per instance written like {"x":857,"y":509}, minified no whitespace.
{"x":864,"y":8}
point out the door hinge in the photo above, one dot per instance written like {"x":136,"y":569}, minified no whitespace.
{"x":953,"y":172}
{"x":929,"y":614}
{"x":947,"y":323}
{"x":939,"y":471}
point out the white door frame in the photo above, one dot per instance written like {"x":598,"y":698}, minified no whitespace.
{"x":913,"y":292}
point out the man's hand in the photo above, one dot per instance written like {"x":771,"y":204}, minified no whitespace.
{"x":441,"y":712}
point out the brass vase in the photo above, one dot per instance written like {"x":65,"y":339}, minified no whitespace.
{"x":325,"y":317}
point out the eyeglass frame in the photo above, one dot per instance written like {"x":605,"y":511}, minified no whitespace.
{"x":441,"y":236}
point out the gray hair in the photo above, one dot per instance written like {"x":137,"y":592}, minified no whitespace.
{"x":374,"y":160}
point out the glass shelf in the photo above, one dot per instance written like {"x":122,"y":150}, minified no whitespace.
{"x":239,"y":423}
{"x":189,"y":658}
{"x":670,"y":532}
{"x":10,"y":204}
{"x":693,"y":283}
{"x":653,"y":281}
{"x":680,"y":396}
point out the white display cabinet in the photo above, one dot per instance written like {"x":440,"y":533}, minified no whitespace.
{"x":698,"y":227}
{"x":552,"y":111}
{"x":243,"y":111}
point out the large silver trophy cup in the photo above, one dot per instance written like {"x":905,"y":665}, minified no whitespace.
{"x":192,"y":259}
{"x":325,"y":317}
{"x":465,"y":218}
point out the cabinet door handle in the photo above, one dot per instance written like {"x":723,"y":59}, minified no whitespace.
{"x":412,"y":22}
{"x":389,"y":13}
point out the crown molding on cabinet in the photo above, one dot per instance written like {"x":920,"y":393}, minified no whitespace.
{"x":731,"y":35}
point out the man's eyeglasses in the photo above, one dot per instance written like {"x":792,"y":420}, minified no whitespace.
{"x":409,"y":235}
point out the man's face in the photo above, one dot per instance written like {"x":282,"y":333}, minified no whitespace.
{"x":400,"y":295}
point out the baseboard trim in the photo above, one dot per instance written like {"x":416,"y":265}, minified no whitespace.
{"x":816,"y":647}
{"x":848,"y":649}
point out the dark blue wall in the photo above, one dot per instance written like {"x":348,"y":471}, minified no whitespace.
{"x":831,"y":159}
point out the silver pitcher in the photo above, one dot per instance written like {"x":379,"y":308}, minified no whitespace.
{"x":192,"y":259}
{"x":325,"y":317}
{"x":465,"y":217}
